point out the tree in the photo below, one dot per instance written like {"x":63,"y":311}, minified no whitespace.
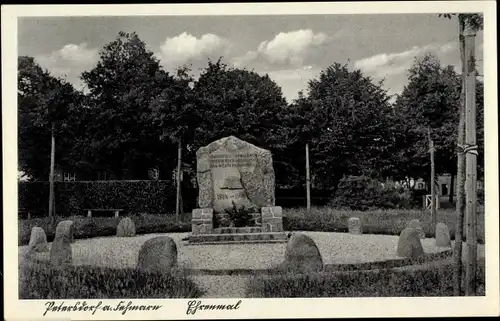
{"x":175,"y":113}
{"x":429,"y":101}
{"x":122,"y":135}
{"x":43,"y":101}
{"x":231,"y":101}
{"x":350,"y":125}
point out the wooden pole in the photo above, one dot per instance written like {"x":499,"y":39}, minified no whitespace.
{"x":51,"y":173}
{"x":178,"y":178}
{"x":460,"y":204}
{"x":470,"y":160}
{"x":433,"y":180}
{"x":308,"y":179}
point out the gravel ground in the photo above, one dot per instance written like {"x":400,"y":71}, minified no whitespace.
{"x":335,"y":248}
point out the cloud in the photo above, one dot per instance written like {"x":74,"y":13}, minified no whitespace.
{"x":393,"y":67}
{"x":186,"y":47}
{"x":387,"y":64}
{"x":69,"y":61}
{"x":289,"y":49}
{"x":78,"y":53}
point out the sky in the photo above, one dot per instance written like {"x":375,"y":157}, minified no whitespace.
{"x":291,"y":49}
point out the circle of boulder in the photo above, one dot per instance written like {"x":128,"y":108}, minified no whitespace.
{"x":442,"y":235}
{"x":302,"y":254}
{"x":354,"y":225}
{"x":158,"y":254}
{"x":416,"y":225}
{"x":65,"y":229}
{"x":126,"y":228}
{"x":38,"y":241}
{"x":409,"y":244}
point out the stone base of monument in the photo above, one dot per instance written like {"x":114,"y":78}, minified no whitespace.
{"x":270,"y":229}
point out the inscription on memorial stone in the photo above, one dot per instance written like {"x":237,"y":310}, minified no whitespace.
{"x":228,"y":160}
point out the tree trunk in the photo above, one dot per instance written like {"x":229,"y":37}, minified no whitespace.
{"x":470,"y":161}
{"x":308,"y":180}
{"x":178,"y":178}
{"x":460,"y":204}
{"x":51,"y":174}
{"x":433,"y":180}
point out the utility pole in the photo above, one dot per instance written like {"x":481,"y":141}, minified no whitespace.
{"x":178,"y":198}
{"x":470,"y":150}
{"x":308,"y":179}
{"x":51,"y":174}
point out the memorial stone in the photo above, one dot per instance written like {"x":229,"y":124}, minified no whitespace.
{"x":231,"y":170}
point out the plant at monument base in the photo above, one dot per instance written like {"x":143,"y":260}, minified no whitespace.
{"x":240,"y":216}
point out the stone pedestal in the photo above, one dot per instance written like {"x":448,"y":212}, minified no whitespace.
{"x":268,"y":228}
{"x":272,"y":219}
{"x":202,"y":221}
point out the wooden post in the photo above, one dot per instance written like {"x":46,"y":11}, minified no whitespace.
{"x":470,"y":160}
{"x":433,"y":180}
{"x":178,"y":178}
{"x":460,"y":204}
{"x":308,"y":180}
{"x":450,"y":189}
{"x":51,"y":174}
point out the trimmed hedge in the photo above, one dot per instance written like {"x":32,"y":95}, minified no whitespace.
{"x":71,"y":198}
{"x":39,"y":280}
{"x":425,"y":280}
{"x":88,"y":227}
{"x":388,"y":222}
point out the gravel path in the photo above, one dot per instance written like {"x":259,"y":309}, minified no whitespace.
{"x":335,"y":248}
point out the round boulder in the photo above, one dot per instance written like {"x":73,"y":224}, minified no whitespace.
{"x":416,"y":225}
{"x":409,"y":244}
{"x":354,"y":225}
{"x":60,"y":252}
{"x":38,"y":240}
{"x":442,"y":235}
{"x":126,"y":228}
{"x":65,"y":230}
{"x":302,"y":254}
{"x":158,"y":254}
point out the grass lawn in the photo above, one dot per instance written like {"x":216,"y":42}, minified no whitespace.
{"x":389,"y":222}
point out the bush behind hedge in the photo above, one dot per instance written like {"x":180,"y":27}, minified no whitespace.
{"x":363,"y":193}
{"x":431,"y":280}
{"x":39,"y":280}
{"x":71,"y":198}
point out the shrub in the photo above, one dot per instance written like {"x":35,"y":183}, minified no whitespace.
{"x":73,"y":197}
{"x":425,"y":280}
{"x":363,"y":193}
{"x":240,"y":216}
{"x":41,"y":281}
{"x":88,"y":227}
